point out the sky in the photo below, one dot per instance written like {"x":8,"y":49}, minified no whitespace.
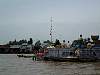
{"x":24,"y":19}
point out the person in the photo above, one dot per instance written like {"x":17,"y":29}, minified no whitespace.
{"x":64,"y":44}
{"x":77,"y":52}
{"x":68,"y":44}
{"x":81,"y":37}
{"x":33,"y":57}
{"x":80,"y":42}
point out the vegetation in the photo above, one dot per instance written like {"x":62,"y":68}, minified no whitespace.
{"x":20,"y":49}
{"x":47,"y":42}
{"x":57,"y":42}
{"x":30,"y":41}
{"x":20,"y":42}
{"x":37,"y":45}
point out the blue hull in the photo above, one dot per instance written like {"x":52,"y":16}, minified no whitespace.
{"x":63,"y":54}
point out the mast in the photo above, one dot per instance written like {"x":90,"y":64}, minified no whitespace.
{"x":51,"y":30}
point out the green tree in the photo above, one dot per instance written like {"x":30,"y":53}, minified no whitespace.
{"x":30,"y":41}
{"x":57,"y":42}
{"x":37,"y":45}
{"x":47,"y":42}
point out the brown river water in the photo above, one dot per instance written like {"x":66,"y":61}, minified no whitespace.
{"x":10,"y":64}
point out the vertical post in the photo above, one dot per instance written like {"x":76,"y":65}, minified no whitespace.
{"x":51,"y":30}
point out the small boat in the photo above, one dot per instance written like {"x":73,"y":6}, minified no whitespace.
{"x":25,"y":55}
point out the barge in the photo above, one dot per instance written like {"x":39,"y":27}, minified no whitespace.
{"x":77,"y":52}
{"x":68,"y":54}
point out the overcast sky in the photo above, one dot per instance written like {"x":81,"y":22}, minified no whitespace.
{"x":31,"y":18}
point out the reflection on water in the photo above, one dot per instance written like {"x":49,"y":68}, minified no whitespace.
{"x":12,"y":65}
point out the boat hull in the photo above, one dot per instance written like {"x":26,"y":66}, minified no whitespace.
{"x":68,"y":54}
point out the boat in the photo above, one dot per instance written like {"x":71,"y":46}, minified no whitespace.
{"x":77,"y":51}
{"x":69,"y":54}
{"x":25,"y":55}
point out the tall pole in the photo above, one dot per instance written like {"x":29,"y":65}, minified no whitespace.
{"x":51,"y":30}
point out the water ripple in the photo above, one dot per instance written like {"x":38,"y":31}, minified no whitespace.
{"x":11,"y":65}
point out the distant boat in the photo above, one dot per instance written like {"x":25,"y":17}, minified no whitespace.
{"x":25,"y":55}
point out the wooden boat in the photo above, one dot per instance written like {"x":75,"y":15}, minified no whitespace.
{"x":25,"y":55}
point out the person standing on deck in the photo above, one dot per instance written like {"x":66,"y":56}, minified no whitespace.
{"x":80,"y":41}
{"x":64,"y":45}
{"x":77,"y":52}
{"x":68,"y":44}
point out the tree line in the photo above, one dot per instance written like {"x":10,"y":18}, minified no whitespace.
{"x":36,"y":47}
{"x":20,"y":42}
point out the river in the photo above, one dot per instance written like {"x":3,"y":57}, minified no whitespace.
{"x":10,"y":64}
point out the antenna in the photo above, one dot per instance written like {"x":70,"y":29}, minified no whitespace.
{"x":51,"y":30}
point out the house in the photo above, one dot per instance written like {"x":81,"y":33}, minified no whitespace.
{"x":4,"y":49}
{"x":14,"y":48}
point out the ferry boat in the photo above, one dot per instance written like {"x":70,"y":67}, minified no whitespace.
{"x":77,"y":52}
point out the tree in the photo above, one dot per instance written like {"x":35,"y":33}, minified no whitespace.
{"x":20,"y":42}
{"x":30,"y":41}
{"x":57,"y":42}
{"x":47,"y":42}
{"x":37,"y":45}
